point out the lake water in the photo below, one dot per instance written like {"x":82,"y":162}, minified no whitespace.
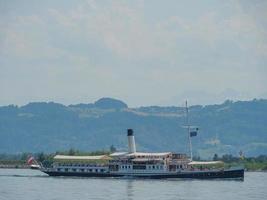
{"x":26,"y":184}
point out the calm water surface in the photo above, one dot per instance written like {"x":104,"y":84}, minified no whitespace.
{"x":21,"y":184}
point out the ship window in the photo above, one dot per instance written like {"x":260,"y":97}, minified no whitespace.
{"x":82,"y":170}
{"x":66,"y":170}
{"x":58,"y":169}
{"x":90,"y":170}
{"x":102,"y":170}
{"x":96,"y":170}
{"x":74,"y":170}
{"x":139,"y":167}
{"x":161,"y":167}
{"x":153,"y":167}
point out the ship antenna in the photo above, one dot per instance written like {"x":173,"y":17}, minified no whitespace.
{"x":188,"y":131}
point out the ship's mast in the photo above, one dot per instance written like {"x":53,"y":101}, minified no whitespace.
{"x":188,"y":131}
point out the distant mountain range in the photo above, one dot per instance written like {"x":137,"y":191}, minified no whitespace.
{"x":49,"y":127}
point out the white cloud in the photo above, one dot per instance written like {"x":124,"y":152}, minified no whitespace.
{"x":136,"y":51}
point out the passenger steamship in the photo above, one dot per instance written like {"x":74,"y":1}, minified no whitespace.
{"x":138,"y":164}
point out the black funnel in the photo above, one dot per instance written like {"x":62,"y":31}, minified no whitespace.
{"x":129,"y":132}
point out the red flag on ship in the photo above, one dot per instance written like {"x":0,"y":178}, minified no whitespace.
{"x":30,"y":160}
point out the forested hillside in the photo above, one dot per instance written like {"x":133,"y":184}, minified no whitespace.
{"x":225,"y":128}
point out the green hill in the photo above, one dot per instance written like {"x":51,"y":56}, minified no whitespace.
{"x":224,"y":129}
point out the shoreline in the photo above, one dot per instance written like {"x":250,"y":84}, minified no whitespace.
{"x":14,"y":166}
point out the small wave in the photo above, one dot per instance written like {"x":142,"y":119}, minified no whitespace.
{"x":19,"y":175}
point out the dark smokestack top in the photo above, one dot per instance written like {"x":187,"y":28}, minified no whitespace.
{"x":130,"y":132}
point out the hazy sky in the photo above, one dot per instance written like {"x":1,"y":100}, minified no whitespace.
{"x":142,"y":52}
